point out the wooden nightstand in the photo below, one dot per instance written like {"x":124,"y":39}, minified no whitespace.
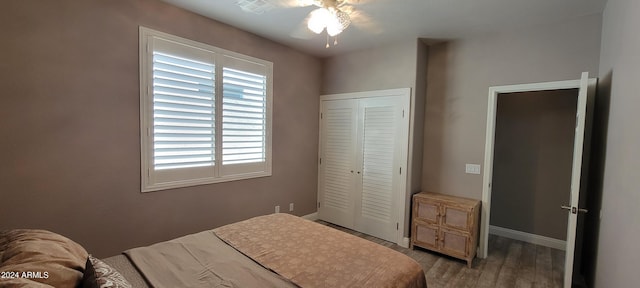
{"x":446,"y":224}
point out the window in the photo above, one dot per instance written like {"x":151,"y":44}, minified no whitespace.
{"x":205,"y":113}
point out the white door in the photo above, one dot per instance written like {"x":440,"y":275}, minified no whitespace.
{"x":576,"y":170}
{"x":382,"y":134}
{"x":338,"y":127}
{"x":363,"y":159}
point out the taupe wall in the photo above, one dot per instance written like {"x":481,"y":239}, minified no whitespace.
{"x":383,"y":67}
{"x":460,"y":74}
{"x":397,"y":65}
{"x":617,"y":253}
{"x":532,"y":161}
{"x":70,"y":145}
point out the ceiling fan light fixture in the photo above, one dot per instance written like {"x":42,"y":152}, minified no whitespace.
{"x":338,"y":21}
{"x":334,"y":20}
{"x":318,"y":20}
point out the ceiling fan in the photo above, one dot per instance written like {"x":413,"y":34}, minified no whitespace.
{"x":332,"y":16}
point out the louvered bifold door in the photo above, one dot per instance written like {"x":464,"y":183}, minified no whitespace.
{"x":338,"y":127}
{"x":381,"y":139}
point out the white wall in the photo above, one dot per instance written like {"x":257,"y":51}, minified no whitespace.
{"x":618,"y":253}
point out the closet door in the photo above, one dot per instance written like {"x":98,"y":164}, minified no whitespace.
{"x":382,"y":145}
{"x":336,"y":186}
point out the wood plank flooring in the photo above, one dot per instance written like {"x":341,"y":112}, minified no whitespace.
{"x":511,"y":263}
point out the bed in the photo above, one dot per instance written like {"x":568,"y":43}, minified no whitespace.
{"x":277,"y":250}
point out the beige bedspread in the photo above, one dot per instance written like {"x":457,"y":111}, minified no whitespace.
{"x":200,"y":260}
{"x":313,"y":255}
{"x":300,"y":252}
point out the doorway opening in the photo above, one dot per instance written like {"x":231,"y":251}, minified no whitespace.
{"x":533,"y":153}
{"x":579,"y":89}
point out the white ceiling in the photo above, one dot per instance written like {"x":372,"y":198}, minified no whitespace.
{"x":384,"y":21}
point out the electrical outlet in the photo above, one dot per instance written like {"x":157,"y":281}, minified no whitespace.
{"x":290,"y":207}
{"x":472,"y":169}
{"x":278,"y":209}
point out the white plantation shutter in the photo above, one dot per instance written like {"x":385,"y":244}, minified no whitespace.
{"x":205,"y":113}
{"x":244,"y":116}
{"x":183,"y":112}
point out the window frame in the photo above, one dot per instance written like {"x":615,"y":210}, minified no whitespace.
{"x":155,"y":180}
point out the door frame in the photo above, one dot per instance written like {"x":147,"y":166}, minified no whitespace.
{"x":494,"y":91}
{"x":404,"y":189}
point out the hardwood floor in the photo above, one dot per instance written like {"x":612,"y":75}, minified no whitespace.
{"x":511,"y":263}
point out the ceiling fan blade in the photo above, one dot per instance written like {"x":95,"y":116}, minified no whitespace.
{"x":302,"y":31}
{"x":286,"y":3}
{"x":364,"y":22}
{"x":304,"y":3}
{"x":353,"y":2}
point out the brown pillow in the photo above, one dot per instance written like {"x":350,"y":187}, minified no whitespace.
{"x":40,"y":256}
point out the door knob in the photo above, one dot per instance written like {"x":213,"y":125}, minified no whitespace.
{"x":574,"y":210}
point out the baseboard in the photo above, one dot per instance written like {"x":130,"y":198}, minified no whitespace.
{"x":528,"y":237}
{"x":311,"y":217}
{"x":404,"y":243}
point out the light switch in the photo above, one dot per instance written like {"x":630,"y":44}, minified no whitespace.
{"x":472,"y":168}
